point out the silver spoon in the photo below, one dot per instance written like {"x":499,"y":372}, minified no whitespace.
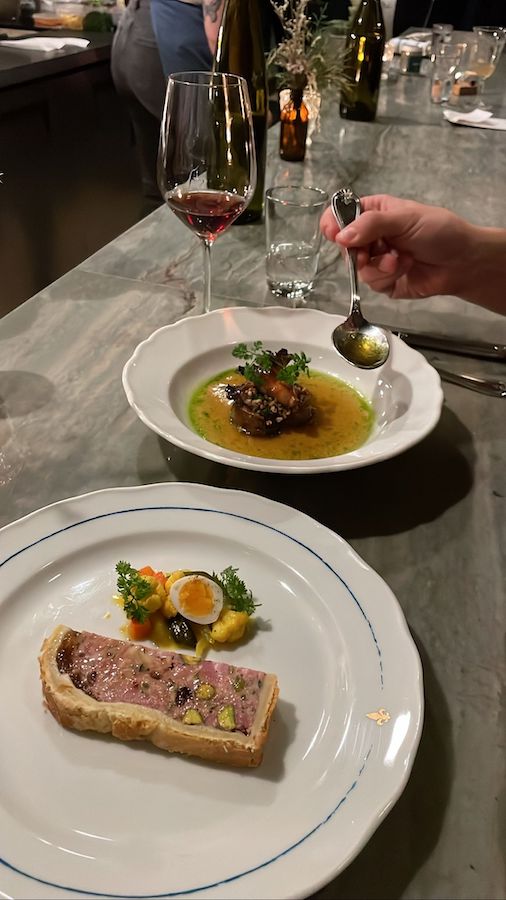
{"x":361,"y":343}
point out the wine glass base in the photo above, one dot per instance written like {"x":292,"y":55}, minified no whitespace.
{"x":12,"y":454}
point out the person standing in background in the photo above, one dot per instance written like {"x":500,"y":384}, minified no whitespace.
{"x":186,"y":33}
{"x":388,"y":7}
{"x":272,"y":30}
{"x":155,"y":38}
{"x":139,"y":80}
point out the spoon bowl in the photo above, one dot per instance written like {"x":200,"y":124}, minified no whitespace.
{"x":362,"y":344}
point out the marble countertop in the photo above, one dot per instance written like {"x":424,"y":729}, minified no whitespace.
{"x":437,"y":532}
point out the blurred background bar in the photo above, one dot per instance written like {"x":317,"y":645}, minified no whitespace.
{"x":70,"y":180}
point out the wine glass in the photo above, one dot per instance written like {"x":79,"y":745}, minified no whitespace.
{"x":481,"y":58}
{"x":12,"y":450}
{"x":496,"y":32}
{"x":206,"y":158}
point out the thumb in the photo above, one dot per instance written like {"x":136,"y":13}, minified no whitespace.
{"x":372,"y":226}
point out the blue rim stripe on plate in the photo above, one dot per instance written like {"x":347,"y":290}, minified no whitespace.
{"x":312,"y":831}
{"x":220,"y":512}
{"x":204,"y":887}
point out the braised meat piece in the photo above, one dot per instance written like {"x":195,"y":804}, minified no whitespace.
{"x":268,"y":405}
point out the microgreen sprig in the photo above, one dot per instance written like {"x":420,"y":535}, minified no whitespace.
{"x":259,"y":361}
{"x":297,"y":366}
{"x":133,"y":588}
{"x":236,"y":593}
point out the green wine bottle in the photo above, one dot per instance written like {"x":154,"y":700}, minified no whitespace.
{"x":240,"y":51}
{"x":362,"y":65}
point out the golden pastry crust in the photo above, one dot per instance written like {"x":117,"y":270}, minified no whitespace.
{"x":74,"y":709}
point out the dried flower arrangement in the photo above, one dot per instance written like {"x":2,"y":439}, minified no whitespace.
{"x":306,"y":55}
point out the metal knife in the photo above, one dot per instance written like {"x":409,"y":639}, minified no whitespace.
{"x":480,"y":349}
{"x":482,"y":385}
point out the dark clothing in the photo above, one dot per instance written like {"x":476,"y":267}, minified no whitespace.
{"x":272,"y":29}
{"x":139,"y":79}
{"x":182,"y":42}
{"x":333,"y":9}
{"x":462,"y":14}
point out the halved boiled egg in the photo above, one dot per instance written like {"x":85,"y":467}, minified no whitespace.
{"x":197,"y":598}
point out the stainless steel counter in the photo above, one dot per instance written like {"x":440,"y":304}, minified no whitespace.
{"x":437,"y":533}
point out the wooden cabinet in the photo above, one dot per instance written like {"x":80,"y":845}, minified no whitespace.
{"x":70,"y":181}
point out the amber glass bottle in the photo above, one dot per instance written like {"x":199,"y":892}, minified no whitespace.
{"x":363,"y":60}
{"x":294,"y":120}
{"x":240,"y":51}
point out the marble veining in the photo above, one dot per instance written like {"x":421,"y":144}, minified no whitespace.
{"x":437,"y":529}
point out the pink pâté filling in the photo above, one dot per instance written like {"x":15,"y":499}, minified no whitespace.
{"x":115,"y":671}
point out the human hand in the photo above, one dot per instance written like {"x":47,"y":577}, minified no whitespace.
{"x":407,"y":249}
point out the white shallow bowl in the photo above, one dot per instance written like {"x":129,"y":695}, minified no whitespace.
{"x":164,"y":370}
{"x":86,"y":814}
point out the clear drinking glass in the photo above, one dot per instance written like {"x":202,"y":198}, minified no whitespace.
{"x":441,"y":33}
{"x":293,"y":239}
{"x":496,"y":32}
{"x":445,"y":66}
{"x":12,"y":450}
{"x":481,"y":58}
{"x":206,"y":158}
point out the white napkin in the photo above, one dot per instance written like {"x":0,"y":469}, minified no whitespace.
{"x":478,"y":118}
{"x":45,"y":44}
{"x":412,"y":42}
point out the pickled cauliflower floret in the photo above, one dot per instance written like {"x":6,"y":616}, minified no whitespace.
{"x":153,"y":601}
{"x":156,"y":599}
{"x":194,"y":608}
{"x":230,"y":626}
{"x":169,"y":610}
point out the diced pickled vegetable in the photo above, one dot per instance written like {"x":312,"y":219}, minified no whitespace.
{"x":192,"y":717}
{"x":205,"y":691}
{"x":139,"y":631}
{"x":226,"y":717}
{"x":230,"y":626}
{"x":181,"y":631}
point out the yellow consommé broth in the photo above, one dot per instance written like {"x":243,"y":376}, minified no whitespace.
{"x":343,"y":420}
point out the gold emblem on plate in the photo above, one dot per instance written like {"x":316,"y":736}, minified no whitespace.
{"x":381,"y":716}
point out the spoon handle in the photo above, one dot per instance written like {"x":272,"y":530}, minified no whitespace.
{"x":355,"y":313}
{"x":482,"y":385}
{"x":346,"y":208}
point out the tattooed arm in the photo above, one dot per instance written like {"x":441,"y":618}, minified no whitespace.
{"x":213,"y":11}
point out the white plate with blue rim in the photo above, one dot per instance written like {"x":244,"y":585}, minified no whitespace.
{"x":164,"y":371}
{"x":87,"y":815}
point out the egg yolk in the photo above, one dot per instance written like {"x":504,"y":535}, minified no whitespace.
{"x":196,"y":598}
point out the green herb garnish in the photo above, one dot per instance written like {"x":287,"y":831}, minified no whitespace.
{"x":254,"y":353}
{"x":239,"y":597}
{"x":298,"y":365}
{"x":133,"y":588}
{"x":258,"y":362}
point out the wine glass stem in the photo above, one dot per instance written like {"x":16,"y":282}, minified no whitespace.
{"x":207,"y":275}
{"x":480,"y":84}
